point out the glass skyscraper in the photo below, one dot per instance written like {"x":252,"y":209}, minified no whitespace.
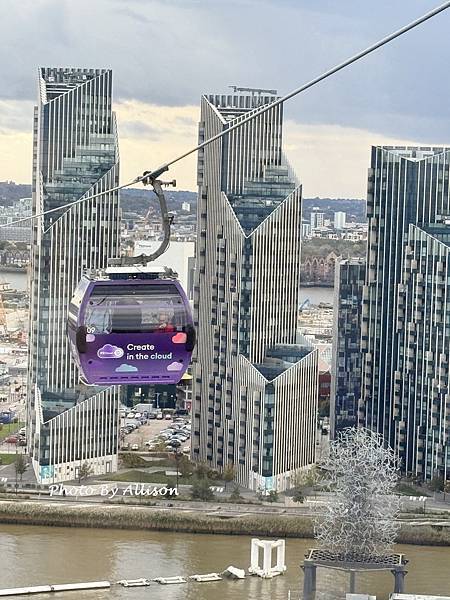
{"x":421,"y":387}
{"x":75,"y":155}
{"x":347,"y":362}
{"x":255,"y":389}
{"x":408,"y":187}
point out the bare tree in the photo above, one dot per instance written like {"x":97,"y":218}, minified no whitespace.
{"x":228,"y":474}
{"x":20,"y":466}
{"x":84,"y":471}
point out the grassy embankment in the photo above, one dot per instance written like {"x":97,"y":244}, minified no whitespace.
{"x":7,"y":459}
{"x":9,"y":429}
{"x":135,"y":476}
{"x":125,"y":517}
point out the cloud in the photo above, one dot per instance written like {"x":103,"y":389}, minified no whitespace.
{"x":169,"y":53}
{"x":140,"y":129}
{"x":332,"y":161}
{"x":15,"y":117}
{"x":167,"y":132}
{"x":179,"y":338}
{"x":175,"y":366}
{"x":126,"y":369}
{"x":166,"y":54}
{"x":109,"y":351}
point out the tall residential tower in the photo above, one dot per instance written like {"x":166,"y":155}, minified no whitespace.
{"x":75,"y":155}
{"x":255,"y":389}
{"x":408,"y":189}
{"x":346,"y":362}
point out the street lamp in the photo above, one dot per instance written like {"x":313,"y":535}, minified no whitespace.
{"x":15,"y":465}
{"x":177,"y":460}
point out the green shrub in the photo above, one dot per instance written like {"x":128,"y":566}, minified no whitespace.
{"x":201,"y":490}
{"x":131,"y":461}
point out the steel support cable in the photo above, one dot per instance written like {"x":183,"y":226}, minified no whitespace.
{"x":152,"y":175}
{"x":306,"y":86}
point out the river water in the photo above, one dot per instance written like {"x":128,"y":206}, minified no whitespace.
{"x":43,"y":555}
{"x":315,"y":294}
{"x":17,"y":279}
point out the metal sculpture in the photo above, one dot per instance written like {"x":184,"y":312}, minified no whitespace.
{"x":360,"y":520}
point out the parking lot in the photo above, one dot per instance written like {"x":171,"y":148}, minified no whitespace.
{"x":150,"y":431}
{"x":146,"y":433}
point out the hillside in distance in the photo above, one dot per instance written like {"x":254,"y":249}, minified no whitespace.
{"x":137,"y":200}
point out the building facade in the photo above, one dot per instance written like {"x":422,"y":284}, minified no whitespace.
{"x":249,"y":373}
{"x":339,"y":220}
{"x":422,"y":383}
{"x":407,"y":186}
{"x":319,"y":270}
{"x":346,"y":356}
{"x":317,"y":219}
{"x":75,"y":155}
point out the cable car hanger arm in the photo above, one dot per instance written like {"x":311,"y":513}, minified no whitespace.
{"x":166,"y":218}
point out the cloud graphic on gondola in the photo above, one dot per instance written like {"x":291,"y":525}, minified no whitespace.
{"x":179,"y":338}
{"x":109,"y":351}
{"x":126,"y":369}
{"x":175,"y":366}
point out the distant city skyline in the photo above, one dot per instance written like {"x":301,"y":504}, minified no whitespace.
{"x":328,"y":131}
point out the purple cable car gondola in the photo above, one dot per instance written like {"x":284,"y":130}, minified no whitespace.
{"x":134,"y":326}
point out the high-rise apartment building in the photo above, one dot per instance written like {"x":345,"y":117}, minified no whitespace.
{"x":317,"y":219}
{"x":422,"y":383}
{"x":255,"y":389}
{"x":346,"y":357}
{"x":75,"y":155}
{"x":339,"y":219}
{"x":407,"y":187}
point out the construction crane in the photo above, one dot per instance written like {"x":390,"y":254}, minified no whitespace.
{"x":253,"y":91}
{"x":3,"y":328}
{"x":304,"y":304}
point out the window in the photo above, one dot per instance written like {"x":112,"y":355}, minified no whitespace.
{"x":135,"y":308}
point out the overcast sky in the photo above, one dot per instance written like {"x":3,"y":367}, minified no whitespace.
{"x":166,"y":54}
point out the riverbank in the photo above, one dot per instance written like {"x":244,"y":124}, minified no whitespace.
{"x":116,"y":516}
{"x":12,"y":269}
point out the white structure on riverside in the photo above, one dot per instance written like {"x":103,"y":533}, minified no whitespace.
{"x":267,"y":571}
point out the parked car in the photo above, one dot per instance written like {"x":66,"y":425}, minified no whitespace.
{"x":12,"y":439}
{"x":126,"y":446}
{"x":135,"y":447}
{"x":168,"y":417}
{"x":152,"y":416}
{"x":130,"y":415}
